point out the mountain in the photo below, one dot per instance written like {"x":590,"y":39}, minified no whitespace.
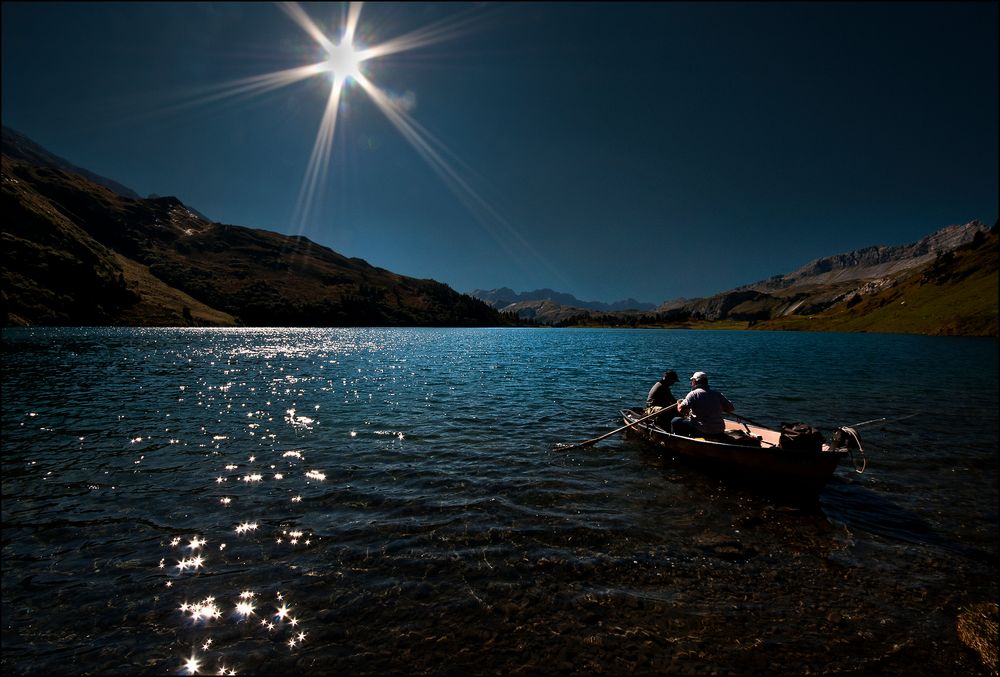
{"x":954,"y":293}
{"x":815,"y":287}
{"x":544,"y":311}
{"x":873,"y":262}
{"x":945,"y":283}
{"x":825,"y":282}
{"x":18,"y":146}
{"x":75,"y":252}
{"x":507,"y":300}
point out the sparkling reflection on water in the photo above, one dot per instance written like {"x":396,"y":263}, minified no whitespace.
{"x":372,"y":501}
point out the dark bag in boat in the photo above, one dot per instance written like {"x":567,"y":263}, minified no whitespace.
{"x":800,"y":437}
{"x":741,"y":438}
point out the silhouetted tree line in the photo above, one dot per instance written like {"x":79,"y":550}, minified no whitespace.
{"x":512,"y":319}
{"x":673,"y":316}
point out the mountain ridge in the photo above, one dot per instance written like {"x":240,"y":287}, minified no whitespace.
{"x":20,"y":146}
{"x":827,"y":281}
{"x":873,"y":261}
{"x":815,"y":285}
{"x":841,"y":281}
{"x":954,"y":294}
{"x":504,"y":297}
{"x":77,"y":252}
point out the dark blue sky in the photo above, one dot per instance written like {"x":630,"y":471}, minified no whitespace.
{"x":651,"y":150}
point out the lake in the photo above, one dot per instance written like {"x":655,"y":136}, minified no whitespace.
{"x":381,"y":501}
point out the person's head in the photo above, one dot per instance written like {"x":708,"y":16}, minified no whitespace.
{"x":670,"y":377}
{"x":699,"y":378}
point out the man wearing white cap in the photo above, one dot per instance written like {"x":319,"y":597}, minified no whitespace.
{"x":703,"y":408}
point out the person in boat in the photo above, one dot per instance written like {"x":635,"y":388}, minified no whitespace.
{"x":661,"y":399}
{"x":701,"y":410}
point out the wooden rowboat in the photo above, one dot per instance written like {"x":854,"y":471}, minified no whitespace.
{"x":750,"y":453}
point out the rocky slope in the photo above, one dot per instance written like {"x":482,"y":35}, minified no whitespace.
{"x":954,"y":293}
{"x":825,"y":282}
{"x":872,"y":263}
{"x":840,"y":284}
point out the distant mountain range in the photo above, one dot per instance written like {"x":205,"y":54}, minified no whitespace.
{"x":872,"y":262}
{"x":826,"y":285}
{"x":825,"y":282}
{"x":953,"y":293}
{"x":508,"y":300}
{"x":78,"y":249}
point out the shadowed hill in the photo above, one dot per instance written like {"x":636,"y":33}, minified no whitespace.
{"x":76,"y":252}
{"x":20,"y":147}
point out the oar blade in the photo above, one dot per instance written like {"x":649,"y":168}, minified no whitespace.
{"x":564,"y":447}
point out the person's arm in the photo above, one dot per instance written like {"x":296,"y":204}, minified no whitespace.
{"x":682,"y":408}
{"x":727,"y":406}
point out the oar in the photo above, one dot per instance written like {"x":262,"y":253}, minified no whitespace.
{"x":880,"y":420}
{"x":746,"y":420}
{"x":587,"y":443}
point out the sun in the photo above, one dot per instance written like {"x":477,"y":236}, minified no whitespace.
{"x":344,"y":62}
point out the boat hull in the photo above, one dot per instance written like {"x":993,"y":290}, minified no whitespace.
{"x":783,"y":470}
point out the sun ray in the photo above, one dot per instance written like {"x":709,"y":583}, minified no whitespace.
{"x":245,"y":88}
{"x":446,"y":29}
{"x":351,"y":25}
{"x":341,"y":61}
{"x":423,"y":142}
{"x":300,"y":17}
{"x":319,"y":159}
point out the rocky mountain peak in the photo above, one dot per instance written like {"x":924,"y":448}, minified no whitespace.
{"x":873,"y":262}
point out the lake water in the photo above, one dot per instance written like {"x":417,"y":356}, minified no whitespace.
{"x":389,"y":501}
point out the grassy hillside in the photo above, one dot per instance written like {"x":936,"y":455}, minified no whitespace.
{"x":955,"y":295}
{"x":163,"y":306}
{"x":54,"y":272}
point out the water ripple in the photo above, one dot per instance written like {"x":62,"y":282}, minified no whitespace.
{"x":369,"y":500}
